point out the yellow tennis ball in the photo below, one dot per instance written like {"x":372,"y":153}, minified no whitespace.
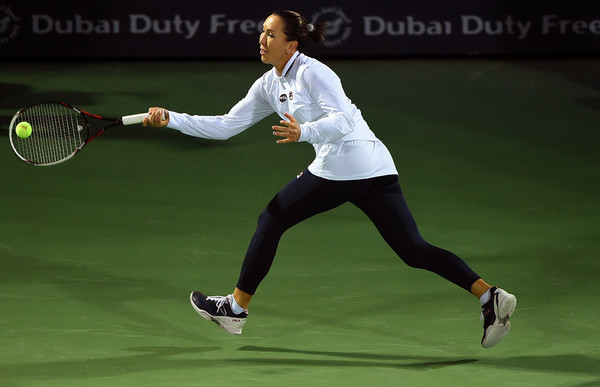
{"x":23,"y":129}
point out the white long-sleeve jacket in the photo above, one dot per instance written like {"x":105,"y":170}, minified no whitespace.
{"x":345,"y":146}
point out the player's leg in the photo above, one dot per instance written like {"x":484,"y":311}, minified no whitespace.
{"x":300,"y":199}
{"x":386,"y":207}
{"x":479,"y":288}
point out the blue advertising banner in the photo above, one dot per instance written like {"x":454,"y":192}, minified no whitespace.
{"x":200,"y":29}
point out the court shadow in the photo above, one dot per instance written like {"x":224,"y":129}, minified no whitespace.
{"x":152,"y":358}
{"x":144,"y":359}
{"x":353,"y":359}
{"x":568,"y":363}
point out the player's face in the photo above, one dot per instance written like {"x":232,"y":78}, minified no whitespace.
{"x":275,"y":49}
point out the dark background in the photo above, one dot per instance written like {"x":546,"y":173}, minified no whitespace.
{"x":39,"y":29}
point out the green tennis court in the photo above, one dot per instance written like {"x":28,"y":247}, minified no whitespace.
{"x":499,"y":161}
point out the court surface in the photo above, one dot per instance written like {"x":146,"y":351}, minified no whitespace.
{"x":499,"y":162}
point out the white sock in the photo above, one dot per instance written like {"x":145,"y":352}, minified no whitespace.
{"x":486,"y":297}
{"x":235,"y":308}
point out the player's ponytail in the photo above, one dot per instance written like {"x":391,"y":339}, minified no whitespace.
{"x":316,"y":31}
{"x":298,"y":28}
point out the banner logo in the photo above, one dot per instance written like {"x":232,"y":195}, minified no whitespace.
{"x":9,"y":25}
{"x":338,"y":27}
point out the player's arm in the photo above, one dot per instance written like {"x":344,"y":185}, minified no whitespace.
{"x":251,"y":109}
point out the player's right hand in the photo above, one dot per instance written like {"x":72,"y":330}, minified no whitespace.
{"x":157,"y":117}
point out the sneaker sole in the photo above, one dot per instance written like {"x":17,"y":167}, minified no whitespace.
{"x":495,"y":334}
{"x":506,"y":307}
{"x":223,"y":322}
{"x":498,"y":331}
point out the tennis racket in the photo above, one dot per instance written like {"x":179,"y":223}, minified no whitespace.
{"x":59,"y":131}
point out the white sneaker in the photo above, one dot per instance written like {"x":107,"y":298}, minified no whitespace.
{"x":218,"y":309}
{"x":495,"y":314}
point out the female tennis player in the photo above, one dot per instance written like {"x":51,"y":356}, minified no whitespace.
{"x":351,"y":165}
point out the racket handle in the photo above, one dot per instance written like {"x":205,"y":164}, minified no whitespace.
{"x":134,"y":119}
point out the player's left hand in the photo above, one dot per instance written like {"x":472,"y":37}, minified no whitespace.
{"x":290,"y":132}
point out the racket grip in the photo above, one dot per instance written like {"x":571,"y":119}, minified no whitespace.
{"x":134,"y":119}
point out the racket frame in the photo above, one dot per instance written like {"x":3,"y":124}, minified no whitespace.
{"x":125,"y":120}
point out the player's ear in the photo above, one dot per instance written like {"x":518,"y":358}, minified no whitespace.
{"x":292,"y":46}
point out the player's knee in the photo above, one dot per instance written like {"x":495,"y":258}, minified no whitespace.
{"x":419,"y":255}
{"x":269,"y":222}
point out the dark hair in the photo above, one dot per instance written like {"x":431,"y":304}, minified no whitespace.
{"x":298,"y":28}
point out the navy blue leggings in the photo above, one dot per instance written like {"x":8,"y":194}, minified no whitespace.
{"x":380,"y":198}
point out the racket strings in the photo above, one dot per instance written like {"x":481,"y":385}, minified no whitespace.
{"x":58,"y":133}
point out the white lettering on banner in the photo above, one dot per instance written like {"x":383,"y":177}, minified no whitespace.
{"x":43,"y":24}
{"x":551,"y":23}
{"x":247,"y":27}
{"x":143,"y":24}
{"x":475,"y":25}
{"x":376,"y":25}
{"x":339,"y":26}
